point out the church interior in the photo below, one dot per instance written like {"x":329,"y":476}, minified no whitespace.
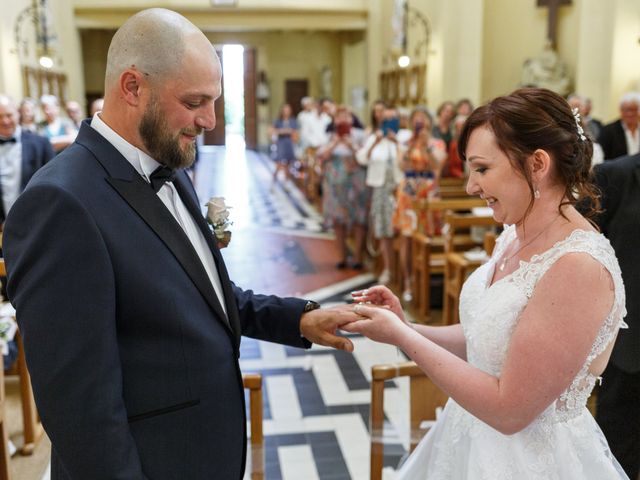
{"x":325,"y":414}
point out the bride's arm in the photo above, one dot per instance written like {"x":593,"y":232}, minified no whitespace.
{"x":451,"y":337}
{"x":549,"y":345}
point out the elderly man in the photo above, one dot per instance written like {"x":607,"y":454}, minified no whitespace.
{"x":131,"y":325}
{"x":21,"y":154}
{"x":74,"y":112}
{"x":622,"y":137}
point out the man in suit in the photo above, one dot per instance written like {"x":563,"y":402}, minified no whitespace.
{"x":21,"y":154}
{"x":130,"y":322}
{"x":619,"y":395}
{"x":622,"y":137}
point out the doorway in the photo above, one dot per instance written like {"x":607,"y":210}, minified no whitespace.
{"x":294,"y":91}
{"x":236,"y":108}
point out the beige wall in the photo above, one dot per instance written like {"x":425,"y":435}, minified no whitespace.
{"x":515,"y":32}
{"x":454,"y":56}
{"x":67,"y":48}
{"x":478,"y":47}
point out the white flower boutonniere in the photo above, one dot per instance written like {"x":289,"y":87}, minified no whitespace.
{"x":218,"y":217}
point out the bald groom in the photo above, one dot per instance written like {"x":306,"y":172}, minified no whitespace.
{"x":131,"y":325}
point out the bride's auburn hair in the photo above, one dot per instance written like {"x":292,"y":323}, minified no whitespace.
{"x":536,"y":118}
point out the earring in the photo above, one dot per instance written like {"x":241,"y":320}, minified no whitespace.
{"x":536,"y":194}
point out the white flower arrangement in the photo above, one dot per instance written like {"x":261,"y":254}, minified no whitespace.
{"x":218,"y":218}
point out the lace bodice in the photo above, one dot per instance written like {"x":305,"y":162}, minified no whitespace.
{"x":489,"y":314}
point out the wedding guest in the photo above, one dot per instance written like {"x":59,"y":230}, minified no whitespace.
{"x":444,"y":116}
{"x":381,"y":155}
{"x":74,"y":112}
{"x":622,"y":137}
{"x":22,"y":153}
{"x":453,"y":166}
{"x":345,"y":193}
{"x":422,"y":161}
{"x":312,"y":136}
{"x":464,"y":107}
{"x":376,"y":116}
{"x":312,"y":129}
{"x":60,"y":131}
{"x":592,"y":125}
{"x":130,"y":322}
{"x":618,"y":400}
{"x":27,"y":111}
{"x":538,"y":320}
{"x":284,"y":134}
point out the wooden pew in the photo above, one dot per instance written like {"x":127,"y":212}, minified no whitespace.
{"x":428,"y":254}
{"x":4,"y":437}
{"x":253,"y":382}
{"x":32,"y":427}
{"x":425,"y":397}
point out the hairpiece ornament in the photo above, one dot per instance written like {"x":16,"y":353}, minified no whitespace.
{"x":576,"y":116}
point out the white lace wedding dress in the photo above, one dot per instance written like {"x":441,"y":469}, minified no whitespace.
{"x":564,"y":442}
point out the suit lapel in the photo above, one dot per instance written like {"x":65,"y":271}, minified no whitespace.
{"x":29,"y":156}
{"x":148,"y":205}
{"x":189,"y":198}
{"x":143,"y":200}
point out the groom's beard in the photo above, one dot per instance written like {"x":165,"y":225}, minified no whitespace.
{"x":162,"y":145}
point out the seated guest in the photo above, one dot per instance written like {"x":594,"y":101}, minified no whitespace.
{"x":27,"y":113}
{"x":622,"y":137}
{"x":60,"y":131}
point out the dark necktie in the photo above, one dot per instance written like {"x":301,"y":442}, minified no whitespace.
{"x":8,"y":140}
{"x":160,"y":176}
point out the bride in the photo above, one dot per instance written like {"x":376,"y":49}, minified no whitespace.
{"x":538,"y":321}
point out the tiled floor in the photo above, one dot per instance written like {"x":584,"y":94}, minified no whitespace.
{"x":316,"y":402}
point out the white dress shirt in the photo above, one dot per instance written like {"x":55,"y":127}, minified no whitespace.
{"x":11,"y":170}
{"x":633,"y":139}
{"x":145,"y":165}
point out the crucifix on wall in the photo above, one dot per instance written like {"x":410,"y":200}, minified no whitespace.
{"x":552,"y":22}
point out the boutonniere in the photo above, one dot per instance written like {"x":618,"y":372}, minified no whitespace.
{"x":218,"y":218}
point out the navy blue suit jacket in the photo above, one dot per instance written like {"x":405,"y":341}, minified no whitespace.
{"x":613,"y":141}
{"x":134,"y":364}
{"x":36,"y":151}
{"x":619,"y":181}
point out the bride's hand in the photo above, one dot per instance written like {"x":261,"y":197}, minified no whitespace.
{"x":378,"y":323}
{"x":382,"y":296}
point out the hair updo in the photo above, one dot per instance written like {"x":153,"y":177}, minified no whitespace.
{"x":536,"y":118}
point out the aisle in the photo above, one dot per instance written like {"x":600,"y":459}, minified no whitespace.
{"x":317,"y":401}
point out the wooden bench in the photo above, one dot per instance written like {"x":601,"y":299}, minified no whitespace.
{"x":32,"y":428}
{"x":4,"y":437}
{"x":253,"y":382}
{"x":428,"y":254}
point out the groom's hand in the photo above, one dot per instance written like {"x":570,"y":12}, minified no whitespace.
{"x":320,"y":326}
